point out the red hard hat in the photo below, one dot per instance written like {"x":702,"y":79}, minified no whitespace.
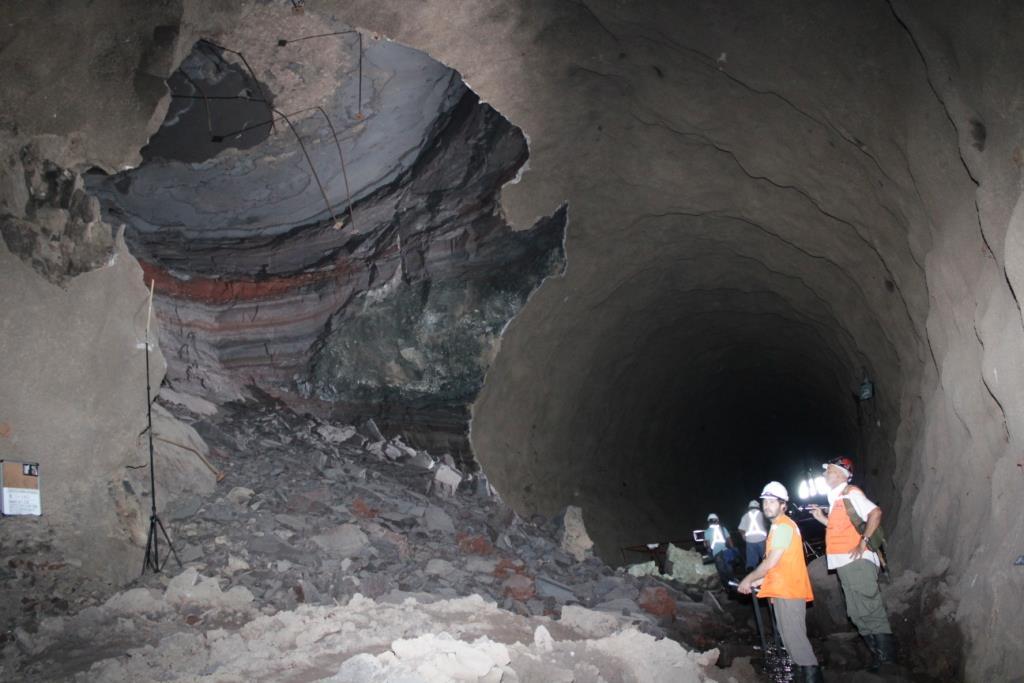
{"x":842,"y":462}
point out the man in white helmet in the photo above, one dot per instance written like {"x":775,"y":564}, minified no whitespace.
{"x":782,"y":577}
{"x":755,"y":530}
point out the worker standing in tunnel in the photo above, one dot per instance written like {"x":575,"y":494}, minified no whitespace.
{"x":848,"y":551}
{"x":718,"y":541}
{"x":783,"y":577}
{"x":754,"y":530}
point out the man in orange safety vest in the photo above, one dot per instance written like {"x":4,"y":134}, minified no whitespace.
{"x":848,"y":551}
{"x":782,"y":576}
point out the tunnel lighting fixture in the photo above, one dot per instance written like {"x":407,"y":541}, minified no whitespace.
{"x":867,"y":389}
{"x":811,"y":487}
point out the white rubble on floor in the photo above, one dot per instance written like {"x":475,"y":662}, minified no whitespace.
{"x":408,"y":641}
{"x":191,"y":588}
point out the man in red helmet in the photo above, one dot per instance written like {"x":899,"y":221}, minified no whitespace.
{"x":847,"y":551}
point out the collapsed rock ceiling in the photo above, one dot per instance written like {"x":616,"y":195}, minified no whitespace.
{"x":350,"y":257}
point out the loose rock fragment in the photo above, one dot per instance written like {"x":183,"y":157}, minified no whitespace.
{"x":575,"y":539}
{"x":447,"y":479}
{"x":335,"y":435}
{"x":658,"y":601}
{"x":240,"y":495}
{"x":347,"y":540}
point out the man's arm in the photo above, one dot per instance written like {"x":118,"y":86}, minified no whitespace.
{"x":873,"y":520}
{"x":760,"y":571}
{"x":870,"y":513}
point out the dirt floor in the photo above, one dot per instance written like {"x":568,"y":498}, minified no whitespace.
{"x":331,"y":553}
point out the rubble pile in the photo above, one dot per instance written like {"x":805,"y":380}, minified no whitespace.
{"x":314,"y":513}
{"x":140,"y":635}
{"x":314,"y":524}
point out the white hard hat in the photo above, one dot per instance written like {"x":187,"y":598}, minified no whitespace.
{"x":712,"y":517}
{"x":775,"y":490}
{"x":753,"y":504}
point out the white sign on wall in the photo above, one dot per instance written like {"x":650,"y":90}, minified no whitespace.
{"x":21,"y":502}
{"x":19,"y":488}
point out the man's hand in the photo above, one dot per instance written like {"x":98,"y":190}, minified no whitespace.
{"x":745,"y":586}
{"x":857,"y":552}
{"x":817,"y":513}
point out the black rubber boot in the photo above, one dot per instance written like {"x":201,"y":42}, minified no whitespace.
{"x":812,"y":674}
{"x":871,"y":640}
{"x":885,"y":648}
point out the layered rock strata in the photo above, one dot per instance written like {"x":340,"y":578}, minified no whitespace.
{"x":355,"y":260}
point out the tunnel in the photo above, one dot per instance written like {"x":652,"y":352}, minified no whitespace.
{"x":722,"y":349}
{"x":636,"y":262}
{"x":698,"y":377}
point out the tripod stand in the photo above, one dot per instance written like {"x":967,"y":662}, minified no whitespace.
{"x":152,"y":557}
{"x":776,"y":665}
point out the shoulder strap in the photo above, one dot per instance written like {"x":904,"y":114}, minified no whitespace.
{"x":877,"y":541}
{"x":855,"y":519}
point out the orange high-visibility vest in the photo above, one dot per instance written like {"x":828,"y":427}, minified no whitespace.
{"x":841,"y":537}
{"x":788,"y":579}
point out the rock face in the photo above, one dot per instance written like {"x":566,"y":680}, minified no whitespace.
{"x":57,"y":228}
{"x":375,"y":282}
{"x":73,"y":380}
{"x":180,"y":458}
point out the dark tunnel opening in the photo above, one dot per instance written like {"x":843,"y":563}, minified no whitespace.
{"x":706,"y":375}
{"x":702,"y":418}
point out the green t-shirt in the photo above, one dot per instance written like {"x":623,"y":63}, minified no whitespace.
{"x":782,"y":536}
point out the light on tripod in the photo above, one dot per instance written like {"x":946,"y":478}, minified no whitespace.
{"x":152,"y":557}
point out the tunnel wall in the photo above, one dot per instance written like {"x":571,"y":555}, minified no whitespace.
{"x":873,"y":143}
{"x":902,"y":119}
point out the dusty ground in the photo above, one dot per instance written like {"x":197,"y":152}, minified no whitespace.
{"x":331,"y":553}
